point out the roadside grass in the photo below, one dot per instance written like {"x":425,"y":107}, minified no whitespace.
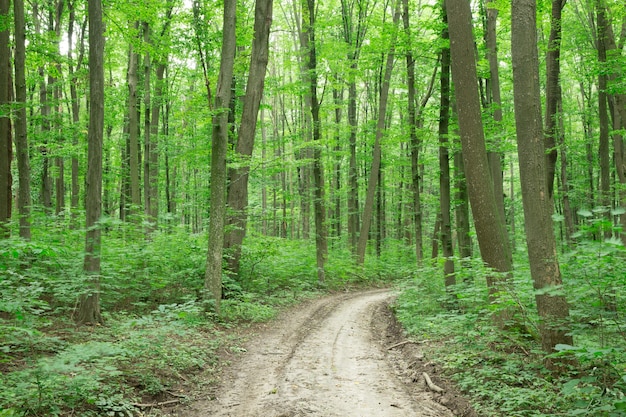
{"x":157,"y":346}
{"x":502,"y":372}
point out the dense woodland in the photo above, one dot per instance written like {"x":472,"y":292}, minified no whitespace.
{"x":175,"y":167}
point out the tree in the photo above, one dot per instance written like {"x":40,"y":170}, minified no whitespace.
{"x":321,"y":233}
{"x":444,"y":159}
{"x":553,"y":89}
{"x":490,"y":228}
{"x":354,"y":34}
{"x":88,"y":310}
{"x":6,"y":146}
{"x":372,"y":183}
{"x":238,"y":185}
{"x":217,"y":215}
{"x":551,"y":304}
{"x":21,"y":139}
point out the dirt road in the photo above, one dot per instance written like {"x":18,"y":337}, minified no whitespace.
{"x":325,"y":358}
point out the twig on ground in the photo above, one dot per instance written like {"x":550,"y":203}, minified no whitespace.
{"x":400,"y":344}
{"x":430,"y":383}
{"x":159,"y":404}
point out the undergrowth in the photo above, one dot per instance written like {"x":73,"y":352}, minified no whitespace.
{"x":157,"y":343}
{"x":502,"y":371}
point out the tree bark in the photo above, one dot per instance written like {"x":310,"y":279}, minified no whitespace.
{"x":133,"y":129}
{"x":217,"y":213}
{"x":238,"y":185}
{"x":21,"y":139}
{"x":376,"y":153}
{"x":88,"y":310}
{"x":6,"y":143}
{"x":75,"y":105}
{"x":444,"y":161}
{"x":354,"y":34}
{"x":490,"y":228}
{"x":494,"y":155}
{"x":321,"y":234}
{"x":553,"y":69}
{"x":551,"y":303}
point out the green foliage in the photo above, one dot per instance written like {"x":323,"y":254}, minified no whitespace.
{"x":503,"y":370}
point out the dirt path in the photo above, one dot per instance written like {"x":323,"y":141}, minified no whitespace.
{"x":325,"y":358}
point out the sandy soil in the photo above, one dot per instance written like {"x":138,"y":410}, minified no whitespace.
{"x":329,"y":357}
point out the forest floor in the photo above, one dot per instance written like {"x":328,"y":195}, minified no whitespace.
{"x":340,"y":355}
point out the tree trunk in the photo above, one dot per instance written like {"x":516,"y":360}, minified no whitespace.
{"x":88,"y":310}
{"x":217,"y":214}
{"x":553,"y":68}
{"x":354,"y":30}
{"x":133,"y":129}
{"x":21,"y":139}
{"x":444,"y":161}
{"x":238,"y":186}
{"x":376,"y":153}
{"x":6,"y":143}
{"x":414,"y":142}
{"x":321,"y":243}
{"x":551,"y":305}
{"x":490,"y":228}
{"x":75,"y":105}
{"x":494,"y":155}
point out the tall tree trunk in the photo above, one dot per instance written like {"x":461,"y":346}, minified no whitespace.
{"x":444,"y":160}
{"x":321,"y":243}
{"x":376,"y":153}
{"x":21,"y":139}
{"x":148,"y":146}
{"x":490,"y":227}
{"x":414,"y":141}
{"x":494,"y":155}
{"x":568,"y":215}
{"x":354,"y":34}
{"x":551,"y":306}
{"x":88,"y":310}
{"x":217,"y":214}
{"x":75,"y":104}
{"x":337,"y":177}
{"x":6,"y":143}
{"x":238,"y":186}
{"x":553,"y":69}
{"x":133,"y":128}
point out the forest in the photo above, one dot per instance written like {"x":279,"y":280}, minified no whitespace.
{"x":173,"y":171}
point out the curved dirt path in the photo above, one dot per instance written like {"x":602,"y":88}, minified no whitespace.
{"x":322,"y":359}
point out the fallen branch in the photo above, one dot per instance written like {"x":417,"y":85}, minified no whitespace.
{"x":159,"y":404}
{"x":430,"y":383}
{"x":400,"y":344}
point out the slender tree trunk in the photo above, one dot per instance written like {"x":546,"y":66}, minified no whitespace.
{"x":217,"y":216}
{"x":553,"y":68}
{"x":414,"y":141}
{"x":21,"y":139}
{"x":490,"y":228}
{"x":494,"y":155}
{"x":321,"y":243}
{"x":376,"y":154}
{"x":133,"y":129}
{"x":551,"y":306}
{"x":238,"y":186}
{"x":354,"y":30}
{"x":6,"y":143}
{"x":88,"y":310}
{"x":444,"y":161}
{"x":568,"y":214}
{"x":75,"y":105}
